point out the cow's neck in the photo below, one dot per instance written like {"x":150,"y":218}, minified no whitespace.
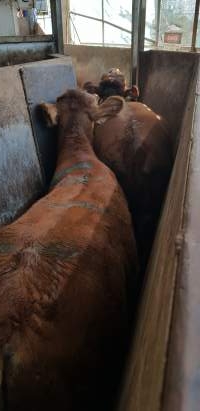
{"x":74,"y":147}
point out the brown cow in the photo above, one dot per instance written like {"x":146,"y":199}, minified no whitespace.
{"x":65,"y":267}
{"x":135,"y":144}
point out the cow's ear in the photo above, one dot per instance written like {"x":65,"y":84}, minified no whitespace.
{"x":131,"y":94}
{"x":90,"y":87}
{"x":50,"y":114}
{"x":135,"y":91}
{"x":109,"y":108}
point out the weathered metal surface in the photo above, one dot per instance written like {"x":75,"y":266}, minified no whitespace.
{"x":20,"y":175}
{"x":182,"y":383}
{"x":20,"y":53}
{"x":146,"y":366}
{"x":45,"y":81}
{"x":26,"y":39}
{"x":165,"y":83}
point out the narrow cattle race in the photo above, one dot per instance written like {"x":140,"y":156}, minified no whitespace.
{"x":67,"y":270}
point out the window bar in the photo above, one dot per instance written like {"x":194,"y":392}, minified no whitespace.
{"x":102,"y":15}
{"x":158,"y":21}
{"x":136,"y":7}
{"x":68,"y":26}
{"x":96,"y":19}
{"x":195,"y":26}
{"x":75,"y":30}
{"x":142,"y":21}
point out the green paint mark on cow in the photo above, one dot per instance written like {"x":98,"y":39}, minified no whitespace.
{"x":6,"y":248}
{"x":77,"y":180}
{"x":58,"y":250}
{"x":80,"y":180}
{"x":80,"y":204}
{"x":78,"y":166}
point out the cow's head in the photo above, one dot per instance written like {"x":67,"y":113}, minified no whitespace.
{"x":115,"y":74}
{"x":108,"y":87}
{"x":112,"y":83}
{"x":81,"y":109}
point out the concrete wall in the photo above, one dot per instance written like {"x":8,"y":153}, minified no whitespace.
{"x":91,"y":62}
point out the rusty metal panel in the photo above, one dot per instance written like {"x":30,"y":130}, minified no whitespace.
{"x":20,"y":174}
{"x":182,"y":382}
{"x":44,"y":81}
{"x":145,"y":376}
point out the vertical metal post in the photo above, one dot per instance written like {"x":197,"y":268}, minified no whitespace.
{"x":195,"y":25}
{"x":102,"y":16}
{"x":137,"y":38}
{"x":66,"y":21}
{"x":56,"y":17}
{"x":135,"y":41}
{"x":142,"y":21}
{"x":158,"y":9}
{"x":68,"y":25}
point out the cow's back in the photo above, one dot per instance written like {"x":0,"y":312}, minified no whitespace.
{"x":136,"y":145}
{"x":71,"y":268}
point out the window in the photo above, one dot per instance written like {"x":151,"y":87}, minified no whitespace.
{"x":169,"y":24}
{"x":176,"y":22}
{"x":100,"y":22}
